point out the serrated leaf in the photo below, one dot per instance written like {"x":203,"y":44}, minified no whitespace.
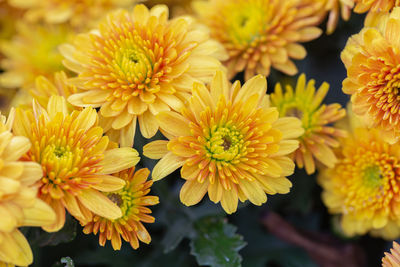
{"x":216,"y":243}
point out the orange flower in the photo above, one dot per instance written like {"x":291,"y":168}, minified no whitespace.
{"x":132,"y":199}
{"x":76,"y":159}
{"x":319,"y":138}
{"x":230,"y":143}
{"x":138,"y":64}
{"x":260,"y":34}
{"x":392,"y":259}
{"x":372,"y":59}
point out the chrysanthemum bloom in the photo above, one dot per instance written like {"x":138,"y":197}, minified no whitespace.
{"x":138,"y":64}
{"x":58,"y":85}
{"x":133,"y":201}
{"x":32,"y":52}
{"x":392,"y":259}
{"x":260,"y":34}
{"x":319,"y":137}
{"x":76,"y":159}
{"x":230,"y":143}
{"x":76,"y":12}
{"x":372,"y":60}
{"x":335,"y":9}
{"x":363,"y":187}
{"x":19,"y":205}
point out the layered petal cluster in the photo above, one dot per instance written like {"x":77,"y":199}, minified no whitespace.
{"x":76,"y":12}
{"x":392,"y":259}
{"x":133,"y":200}
{"x":32,"y":52}
{"x":260,"y":34}
{"x":362,"y":6}
{"x":137,"y":64}
{"x":76,"y":159}
{"x":319,"y":138}
{"x":44,"y":88}
{"x":372,"y":60}
{"x":229,"y":142}
{"x":19,"y":205}
{"x":363,"y":187}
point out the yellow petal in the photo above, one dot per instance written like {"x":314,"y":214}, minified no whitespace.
{"x":168,"y":164}
{"x":18,"y":146}
{"x":39,"y":215}
{"x":156,"y":149}
{"x":253,"y":191}
{"x":174,"y":123}
{"x":148,"y":124}
{"x":99,"y":204}
{"x":8,"y":221}
{"x":229,"y":200}
{"x":193,"y":191}
{"x":16,"y":249}
{"x":119,"y":159}
{"x":110,"y":183}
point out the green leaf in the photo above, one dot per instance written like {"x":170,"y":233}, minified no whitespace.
{"x":216,"y":243}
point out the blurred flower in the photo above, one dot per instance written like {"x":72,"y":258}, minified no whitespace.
{"x":32,"y":52}
{"x":260,"y":34}
{"x":44,"y":88}
{"x":319,"y":138}
{"x":363,"y":187}
{"x":372,"y":61}
{"x":19,"y":205}
{"x":132,"y":199}
{"x":392,"y":259}
{"x":177,"y":7}
{"x":79,"y":13}
{"x":138,"y":64}
{"x":230,"y":143}
{"x":334,"y":9}
{"x":76,"y":160}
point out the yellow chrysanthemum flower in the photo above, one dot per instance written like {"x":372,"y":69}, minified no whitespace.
{"x":319,"y":137}
{"x":19,"y":205}
{"x":133,"y":201}
{"x":363,"y":187}
{"x":76,"y":12}
{"x":32,"y":52}
{"x":260,"y":34}
{"x":76,"y":159}
{"x":230,"y":143}
{"x":45,"y":88}
{"x":372,"y":61}
{"x":138,"y":64}
{"x":392,"y":259}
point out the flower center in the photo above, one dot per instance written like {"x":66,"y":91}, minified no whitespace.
{"x":372,"y":175}
{"x":224,"y":143}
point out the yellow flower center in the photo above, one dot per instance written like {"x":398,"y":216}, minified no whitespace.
{"x":245,"y":23}
{"x":224,"y":144}
{"x":372,"y":176}
{"x":125,"y":199}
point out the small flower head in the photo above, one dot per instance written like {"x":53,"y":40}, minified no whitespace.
{"x":19,"y":205}
{"x":392,"y":259}
{"x":319,"y":137}
{"x":77,"y":13}
{"x":30,"y":53}
{"x":262,"y":34}
{"x":372,"y":61}
{"x":229,"y":142}
{"x":363,"y":187}
{"x":138,"y":64}
{"x":76,"y":159}
{"x":133,"y":201}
